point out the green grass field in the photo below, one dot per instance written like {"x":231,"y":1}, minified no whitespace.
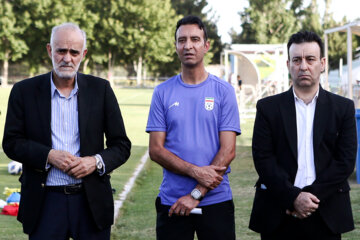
{"x":137,"y":217}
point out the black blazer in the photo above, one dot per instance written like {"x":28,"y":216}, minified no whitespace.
{"x":27,"y":139}
{"x":275,"y":157}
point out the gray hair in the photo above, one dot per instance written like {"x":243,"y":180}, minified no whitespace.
{"x":71,"y":26}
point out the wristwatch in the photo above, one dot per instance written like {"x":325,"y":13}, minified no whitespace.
{"x":196,"y":194}
{"x":99,"y":164}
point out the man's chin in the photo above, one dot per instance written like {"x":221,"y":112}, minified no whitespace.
{"x":190,"y":64}
{"x":65,"y":75}
{"x":305,"y":82}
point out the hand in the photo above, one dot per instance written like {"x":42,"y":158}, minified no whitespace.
{"x":305,"y":204}
{"x":295,"y":214}
{"x":209,"y":176}
{"x":60,"y":159}
{"x":183,"y":206}
{"x":81,"y":167}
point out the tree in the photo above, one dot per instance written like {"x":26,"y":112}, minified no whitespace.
{"x":134,"y":32}
{"x":337,"y":47}
{"x":267,"y":22}
{"x":13,"y":22}
{"x":312,"y":19}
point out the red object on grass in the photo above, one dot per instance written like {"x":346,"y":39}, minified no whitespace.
{"x":11,"y":210}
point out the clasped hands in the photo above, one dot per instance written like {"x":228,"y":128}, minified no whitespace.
{"x":208,"y":177}
{"x":304,"y":205}
{"x":77,"y":167}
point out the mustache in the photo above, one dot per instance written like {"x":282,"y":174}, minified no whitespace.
{"x":66,"y":65}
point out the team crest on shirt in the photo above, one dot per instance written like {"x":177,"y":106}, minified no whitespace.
{"x":209,"y":103}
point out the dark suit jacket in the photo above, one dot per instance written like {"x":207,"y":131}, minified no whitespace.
{"x":27,"y":139}
{"x":275,"y":158}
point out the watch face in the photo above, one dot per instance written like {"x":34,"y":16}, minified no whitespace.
{"x":196,"y":194}
{"x":99,"y":165}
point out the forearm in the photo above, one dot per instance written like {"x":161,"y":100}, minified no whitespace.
{"x":171,"y":162}
{"x":115,"y":154}
{"x":224,"y":156}
{"x":118,"y":144}
{"x":266,"y":160}
{"x":341,"y":152}
{"x":28,"y":152}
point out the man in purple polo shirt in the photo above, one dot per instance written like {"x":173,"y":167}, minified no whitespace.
{"x":193,"y":123}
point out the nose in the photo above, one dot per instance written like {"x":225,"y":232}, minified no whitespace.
{"x":188,"y":45}
{"x":303,"y":64}
{"x":67,"y":57}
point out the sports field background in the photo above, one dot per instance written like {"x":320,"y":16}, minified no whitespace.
{"x":137,"y":217}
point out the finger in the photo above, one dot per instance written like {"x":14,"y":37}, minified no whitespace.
{"x":79,"y":174}
{"x":76,"y":170}
{"x":299,"y":215}
{"x":288,"y":212}
{"x":219,"y":178}
{"x":172,"y":208}
{"x":71,"y":166}
{"x":182,"y":212}
{"x":314,"y":199}
{"x":218,"y":168}
{"x":313,"y":205}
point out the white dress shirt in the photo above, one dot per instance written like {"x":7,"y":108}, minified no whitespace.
{"x":305,"y":122}
{"x":65,"y":132}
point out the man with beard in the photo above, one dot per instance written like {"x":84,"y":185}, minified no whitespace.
{"x":304,"y":150}
{"x":55,"y":127}
{"x":193,"y":123}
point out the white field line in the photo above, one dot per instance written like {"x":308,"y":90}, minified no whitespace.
{"x":129,"y":185}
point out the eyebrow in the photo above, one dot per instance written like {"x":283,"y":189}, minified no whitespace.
{"x":306,"y":56}
{"x":73,"y":51}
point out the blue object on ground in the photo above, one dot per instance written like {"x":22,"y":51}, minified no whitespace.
{"x":13,"y":198}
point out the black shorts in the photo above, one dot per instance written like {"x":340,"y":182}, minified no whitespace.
{"x":216,"y":222}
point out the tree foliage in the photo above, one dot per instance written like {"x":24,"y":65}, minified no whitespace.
{"x":13,"y":22}
{"x":137,"y":33}
{"x":273,"y":21}
{"x":266,"y":22}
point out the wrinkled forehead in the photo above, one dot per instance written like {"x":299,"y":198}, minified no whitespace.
{"x":304,"y":49}
{"x":67,"y":37}
{"x":189,"y":30}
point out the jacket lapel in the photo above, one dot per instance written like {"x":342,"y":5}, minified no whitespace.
{"x":84,"y":101}
{"x":43,"y":99}
{"x":322,"y":112}
{"x":288,"y":114}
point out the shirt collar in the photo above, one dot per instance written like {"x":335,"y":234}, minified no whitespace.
{"x":299,"y":99}
{"x":54,"y":89}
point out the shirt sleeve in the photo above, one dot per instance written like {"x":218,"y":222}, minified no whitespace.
{"x":229,"y":119}
{"x":102,"y":161}
{"x":156,"y":120}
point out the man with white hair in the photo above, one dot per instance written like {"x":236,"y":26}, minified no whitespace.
{"x":55,"y":126}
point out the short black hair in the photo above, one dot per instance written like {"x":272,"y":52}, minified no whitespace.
{"x":306,"y":36}
{"x":192,"y":20}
